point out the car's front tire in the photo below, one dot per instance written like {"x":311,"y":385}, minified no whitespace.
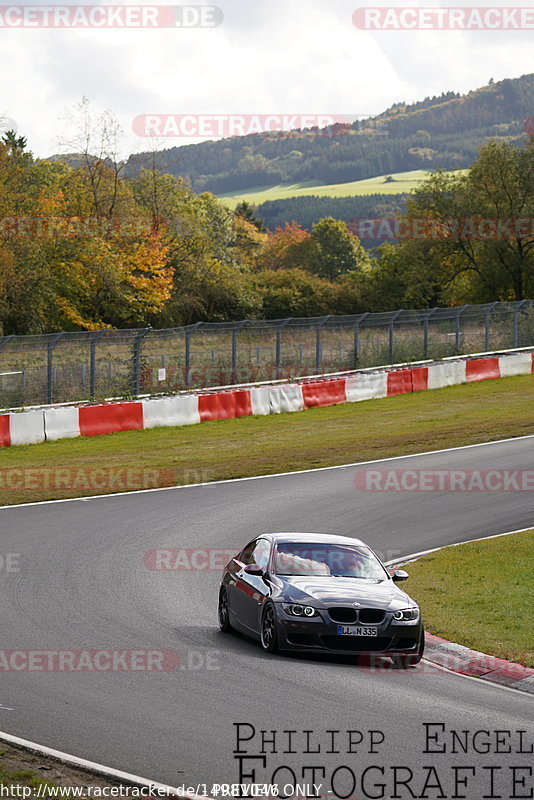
{"x":224,"y":614}
{"x":269,"y":633}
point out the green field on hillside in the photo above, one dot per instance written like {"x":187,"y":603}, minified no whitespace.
{"x":403,"y":182}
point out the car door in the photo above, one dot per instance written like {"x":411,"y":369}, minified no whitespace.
{"x":234,"y":573}
{"x":252,"y":590}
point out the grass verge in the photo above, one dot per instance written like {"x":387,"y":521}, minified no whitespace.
{"x":480,"y":595}
{"x":43,"y":776}
{"x":412,"y":423}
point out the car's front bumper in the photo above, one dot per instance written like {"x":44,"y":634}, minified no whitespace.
{"x":320,"y":635}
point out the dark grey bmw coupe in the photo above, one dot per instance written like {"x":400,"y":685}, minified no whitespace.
{"x":319,"y":593}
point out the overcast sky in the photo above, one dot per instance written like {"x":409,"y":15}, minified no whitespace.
{"x":268,"y":56}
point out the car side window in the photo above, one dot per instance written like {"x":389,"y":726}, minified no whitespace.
{"x":246,"y":553}
{"x":261,"y":553}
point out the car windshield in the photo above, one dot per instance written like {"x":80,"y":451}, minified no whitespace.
{"x":330,"y":560}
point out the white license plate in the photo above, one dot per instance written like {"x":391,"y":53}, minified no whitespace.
{"x":350,"y":630}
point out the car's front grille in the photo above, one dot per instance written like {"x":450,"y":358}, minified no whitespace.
{"x":371,"y":615}
{"x":356,"y":643}
{"x":342,"y":614}
{"x":366,"y":616}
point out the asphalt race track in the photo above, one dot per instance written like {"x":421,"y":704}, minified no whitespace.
{"x":83,"y":585}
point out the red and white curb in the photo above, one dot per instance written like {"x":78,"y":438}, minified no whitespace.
{"x":463,"y":661}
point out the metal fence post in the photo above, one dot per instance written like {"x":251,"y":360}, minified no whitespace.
{"x":391,"y":333}
{"x":92,"y":364}
{"x":278,"y":347}
{"x":517,"y":307}
{"x":356,"y":353}
{"x":319,"y":344}
{"x":50,"y":368}
{"x":425,"y":333}
{"x":458,"y":331}
{"x":136,"y":376}
{"x":188,"y":333}
{"x":278,"y":352}
{"x":235,"y":331}
{"x":487,"y":329}
{"x":5,"y":339}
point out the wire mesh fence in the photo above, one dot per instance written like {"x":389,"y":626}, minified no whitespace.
{"x":64,"y":367}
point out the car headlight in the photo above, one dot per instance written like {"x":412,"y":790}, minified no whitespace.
{"x":298,"y":610}
{"x":406,"y":615}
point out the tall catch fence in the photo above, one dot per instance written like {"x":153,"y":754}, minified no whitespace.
{"x":70,"y":366}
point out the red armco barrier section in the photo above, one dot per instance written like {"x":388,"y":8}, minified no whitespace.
{"x":399,"y":382}
{"x":5,"y":433}
{"x":419,"y":379}
{"x":482,"y":369}
{"x":171,"y":411}
{"x":243,"y":407}
{"x":110,"y":418}
{"x":324,"y":393}
{"x":51,"y":423}
{"x":224,"y":405}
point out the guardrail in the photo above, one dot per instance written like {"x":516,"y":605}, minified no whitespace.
{"x":66,"y":421}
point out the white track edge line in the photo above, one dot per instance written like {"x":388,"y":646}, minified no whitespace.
{"x":272,"y":475}
{"x":95,"y":768}
{"x":414,"y":556}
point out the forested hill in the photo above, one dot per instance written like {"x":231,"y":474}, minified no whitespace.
{"x":445,"y":131}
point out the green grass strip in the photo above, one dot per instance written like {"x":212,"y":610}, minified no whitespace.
{"x":480,"y":595}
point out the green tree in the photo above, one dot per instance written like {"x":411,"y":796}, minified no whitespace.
{"x":336,"y":249}
{"x":245,"y":210}
{"x":467,"y":238}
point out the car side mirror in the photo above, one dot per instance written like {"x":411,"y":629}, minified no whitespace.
{"x":254,"y":569}
{"x":400,"y":575}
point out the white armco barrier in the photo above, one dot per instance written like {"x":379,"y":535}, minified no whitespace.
{"x":61,"y":423}
{"x":163,"y":411}
{"x":260,"y":401}
{"x":287,"y":397}
{"x":366,"y":386}
{"x":515,"y":364}
{"x":27,"y":427}
{"x":449,"y":373}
